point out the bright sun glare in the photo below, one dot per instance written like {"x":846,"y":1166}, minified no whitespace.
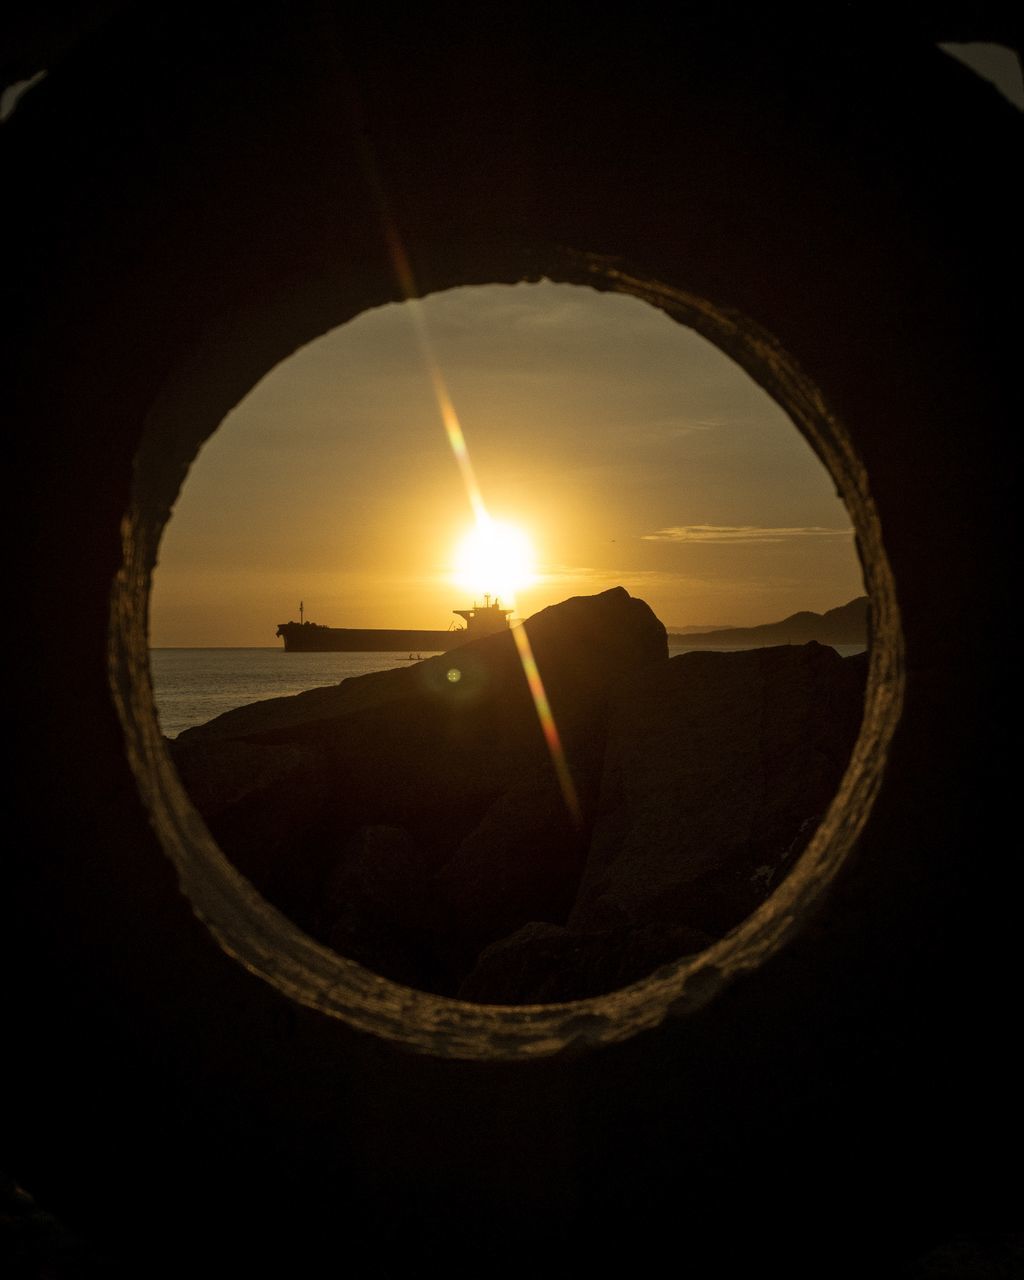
{"x":495,"y":559}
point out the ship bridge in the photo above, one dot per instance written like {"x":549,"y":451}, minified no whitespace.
{"x":484,"y":620}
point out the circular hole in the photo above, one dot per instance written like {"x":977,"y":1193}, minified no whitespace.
{"x":265,"y":940}
{"x":424,"y":835}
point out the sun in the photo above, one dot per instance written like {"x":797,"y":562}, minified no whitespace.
{"x":494,"y":559}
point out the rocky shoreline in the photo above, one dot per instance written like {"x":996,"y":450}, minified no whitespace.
{"x":412,"y":819}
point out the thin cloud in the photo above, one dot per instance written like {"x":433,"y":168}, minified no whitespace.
{"x":740,"y":533}
{"x":679,"y":428}
{"x":561,"y":576}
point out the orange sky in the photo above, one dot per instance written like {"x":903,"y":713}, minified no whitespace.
{"x":629,"y":449}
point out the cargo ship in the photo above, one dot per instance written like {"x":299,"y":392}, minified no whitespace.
{"x":314,"y":637}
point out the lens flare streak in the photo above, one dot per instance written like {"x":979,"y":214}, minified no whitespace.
{"x":547,"y":724}
{"x":457,"y":441}
{"x":449,"y":418}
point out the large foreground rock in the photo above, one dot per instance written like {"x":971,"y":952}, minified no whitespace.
{"x":718,"y":768}
{"x":409,"y":818}
{"x":412,"y":819}
{"x":715,"y":762}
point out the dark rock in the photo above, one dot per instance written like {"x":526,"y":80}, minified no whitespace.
{"x":413,"y":820}
{"x":264,"y":804}
{"x":716,"y":764}
{"x":718,"y":768}
{"x":522,"y":863}
{"x":376,"y":906}
{"x":450,"y":753}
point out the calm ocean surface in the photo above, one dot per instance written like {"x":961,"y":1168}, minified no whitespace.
{"x":192,"y":686}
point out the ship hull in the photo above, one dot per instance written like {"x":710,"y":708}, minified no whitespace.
{"x":311,"y":638}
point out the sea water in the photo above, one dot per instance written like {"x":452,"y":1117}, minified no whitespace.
{"x":191,"y":686}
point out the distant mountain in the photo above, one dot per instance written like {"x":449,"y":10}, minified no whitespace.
{"x":689,"y":631}
{"x":846,"y":625}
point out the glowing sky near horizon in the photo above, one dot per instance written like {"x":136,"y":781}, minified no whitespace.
{"x":625,"y":448}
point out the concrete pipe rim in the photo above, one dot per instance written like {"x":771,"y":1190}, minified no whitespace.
{"x":275,"y":950}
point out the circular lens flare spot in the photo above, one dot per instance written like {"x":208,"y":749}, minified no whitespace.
{"x":454,"y":675}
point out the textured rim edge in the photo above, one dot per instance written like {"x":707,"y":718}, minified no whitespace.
{"x":272,"y":947}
